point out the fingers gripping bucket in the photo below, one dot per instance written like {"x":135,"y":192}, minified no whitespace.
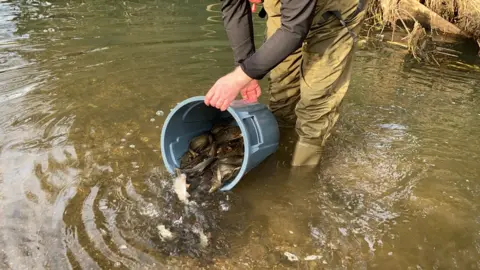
{"x":192,"y":117}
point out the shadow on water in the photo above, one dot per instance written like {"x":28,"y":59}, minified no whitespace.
{"x":85,"y":87}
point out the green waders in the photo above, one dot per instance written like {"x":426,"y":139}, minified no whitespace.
{"x":307,"y":88}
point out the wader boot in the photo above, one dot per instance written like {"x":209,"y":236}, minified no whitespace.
{"x":307,"y":88}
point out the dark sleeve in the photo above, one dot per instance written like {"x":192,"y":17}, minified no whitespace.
{"x":297,"y":16}
{"x":237,"y":20}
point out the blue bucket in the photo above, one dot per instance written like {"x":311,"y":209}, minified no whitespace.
{"x":192,"y":117}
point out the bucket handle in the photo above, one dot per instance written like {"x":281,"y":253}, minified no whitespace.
{"x":256,"y":137}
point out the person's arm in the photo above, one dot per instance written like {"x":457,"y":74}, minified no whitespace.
{"x":297,"y":16}
{"x":237,"y":20}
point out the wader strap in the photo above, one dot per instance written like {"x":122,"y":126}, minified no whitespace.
{"x":360,"y":8}
{"x":338,"y":15}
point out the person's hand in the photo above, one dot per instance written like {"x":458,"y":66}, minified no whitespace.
{"x":226,"y":89}
{"x":251,"y":92}
{"x":254,"y":2}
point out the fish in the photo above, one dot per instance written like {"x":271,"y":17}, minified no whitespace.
{"x":200,"y":167}
{"x":227,"y":134}
{"x":211,"y":159}
{"x":236,"y":160}
{"x":223,"y":173}
{"x":217,"y":129}
{"x":231,"y":149}
{"x":201,"y":184}
{"x":199,"y":143}
{"x":212,"y":150}
{"x":186,"y":160}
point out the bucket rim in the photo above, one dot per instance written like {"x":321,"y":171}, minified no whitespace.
{"x":238,"y":120}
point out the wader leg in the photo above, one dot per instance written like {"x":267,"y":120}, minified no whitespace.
{"x":284,"y":79}
{"x":325,"y":76}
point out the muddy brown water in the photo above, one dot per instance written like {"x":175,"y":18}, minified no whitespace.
{"x":83,"y":85}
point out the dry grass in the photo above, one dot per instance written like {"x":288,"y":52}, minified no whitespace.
{"x":469,"y":17}
{"x":445,"y":8}
{"x":465,"y":14}
{"x":382,"y":10}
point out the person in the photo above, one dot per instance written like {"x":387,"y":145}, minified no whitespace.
{"x":308,"y":52}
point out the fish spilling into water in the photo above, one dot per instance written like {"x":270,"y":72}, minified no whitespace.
{"x":180,"y":186}
{"x":212,"y":158}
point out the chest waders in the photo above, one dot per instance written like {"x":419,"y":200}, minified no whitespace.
{"x":307,"y":88}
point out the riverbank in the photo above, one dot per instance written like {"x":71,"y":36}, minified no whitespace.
{"x":420,"y":20}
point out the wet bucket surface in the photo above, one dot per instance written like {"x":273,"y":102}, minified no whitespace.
{"x":192,"y":117}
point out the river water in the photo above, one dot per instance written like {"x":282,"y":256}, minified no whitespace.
{"x":86,"y":85}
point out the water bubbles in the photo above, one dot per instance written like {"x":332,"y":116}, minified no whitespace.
{"x":203,"y":238}
{"x":390,"y":253}
{"x":164,"y":233}
{"x":178,"y":221}
{"x":224,"y":207}
{"x":132,"y":146}
{"x":312,"y":257}
{"x":149,"y":211}
{"x":160,"y":113}
{"x":122,"y":247}
{"x":123,"y":140}
{"x":152,"y":119}
{"x":370,"y":242}
{"x":290,"y":256}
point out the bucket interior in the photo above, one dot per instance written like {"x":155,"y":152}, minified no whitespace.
{"x":191,"y":120}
